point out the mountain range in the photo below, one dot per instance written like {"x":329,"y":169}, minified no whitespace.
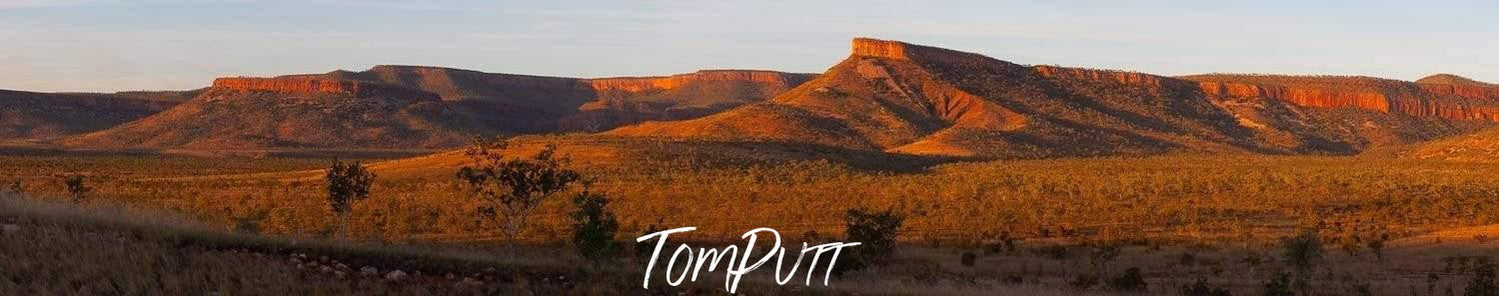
{"x":886,"y":96}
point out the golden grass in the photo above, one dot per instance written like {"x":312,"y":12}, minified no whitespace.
{"x":1221,"y":209}
{"x":62,"y":249}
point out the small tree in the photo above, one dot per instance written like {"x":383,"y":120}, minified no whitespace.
{"x":1351,"y":244}
{"x":76,"y":187}
{"x":876,"y":231}
{"x":513,"y":186}
{"x":1376,"y":245}
{"x":347,"y":183}
{"x":16,"y":188}
{"x":1482,"y":283}
{"x":594,"y":226}
{"x":643,"y":249}
{"x":1132,"y":281}
{"x":969,"y":259}
{"x":1303,"y":252}
{"x":1278,"y":286}
{"x":1201,"y":288}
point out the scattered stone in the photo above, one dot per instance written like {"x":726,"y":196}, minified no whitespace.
{"x":450,"y":276}
{"x":369,"y":271}
{"x":341,"y":266}
{"x":340,"y":274}
{"x":472,"y":282}
{"x":326,"y":269}
{"x":395,"y":275}
{"x":10,"y":229}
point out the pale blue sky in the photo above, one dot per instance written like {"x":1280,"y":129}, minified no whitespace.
{"x":105,"y":45}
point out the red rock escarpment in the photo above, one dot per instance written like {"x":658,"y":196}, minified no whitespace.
{"x":1420,"y":100}
{"x":638,"y":84}
{"x":1466,"y":91}
{"x":901,"y":51}
{"x":313,"y":85}
{"x":1310,"y":96}
{"x":1455,"y":102}
{"x":880,"y":48}
{"x":1152,"y":82}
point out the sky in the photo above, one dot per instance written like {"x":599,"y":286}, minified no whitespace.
{"x":118,"y":45}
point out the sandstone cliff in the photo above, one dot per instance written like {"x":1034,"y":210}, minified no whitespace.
{"x":899,"y":97}
{"x":1425,"y":100}
{"x":300,"y":85}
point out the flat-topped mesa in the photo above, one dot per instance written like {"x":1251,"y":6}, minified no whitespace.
{"x":1374,"y":94}
{"x":935,"y":58}
{"x":304,"y":84}
{"x":1453,"y":85}
{"x":1466,"y":91}
{"x":449,"y":76}
{"x":638,"y":84}
{"x":1309,"y":96}
{"x":880,"y":48}
{"x":1153,"y":82}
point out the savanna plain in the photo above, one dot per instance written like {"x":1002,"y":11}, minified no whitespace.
{"x":1175,"y":224}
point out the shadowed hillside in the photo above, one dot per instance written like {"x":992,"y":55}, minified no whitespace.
{"x":248,"y":113}
{"x":905,"y":98}
{"x":45,"y":115}
{"x":411,"y":107}
{"x":530,"y":104}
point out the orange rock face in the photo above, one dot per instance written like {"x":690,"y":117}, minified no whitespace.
{"x":313,"y":85}
{"x":880,"y":48}
{"x":1129,"y":78}
{"x":1301,"y":96}
{"x":639,"y":84}
{"x":1447,"y":101}
{"x":1466,"y":91}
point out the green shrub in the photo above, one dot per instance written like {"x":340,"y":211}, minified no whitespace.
{"x":594,"y":227}
{"x":876,"y":231}
{"x":1482,"y":283}
{"x":513,"y":187}
{"x":1131,"y":281}
{"x":1201,"y":288}
{"x":1278,"y":286}
{"x":76,"y":187}
{"x":347,"y":183}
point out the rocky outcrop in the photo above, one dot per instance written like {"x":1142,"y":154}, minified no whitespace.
{"x":1308,"y":96}
{"x":1422,"y":100}
{"x":1153,"y":82}
{"x":880,"y":48}
{"x":1466,"y":91}
{"x":901,"y":51}
{"x":639,"y":84}
{"x":1453,"y":85}
{"x":295,"y":85}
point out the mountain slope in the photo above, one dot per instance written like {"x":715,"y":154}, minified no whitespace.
{"x":29,"y":115}
{"x":426,"y":107}
{"x":1450,"y":79}
{"x":922,"y":100}
{"x":254,"y":113}
{"x":1482,"y":146}
{"x":905,"y":98}
{"x":532,"y":104}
